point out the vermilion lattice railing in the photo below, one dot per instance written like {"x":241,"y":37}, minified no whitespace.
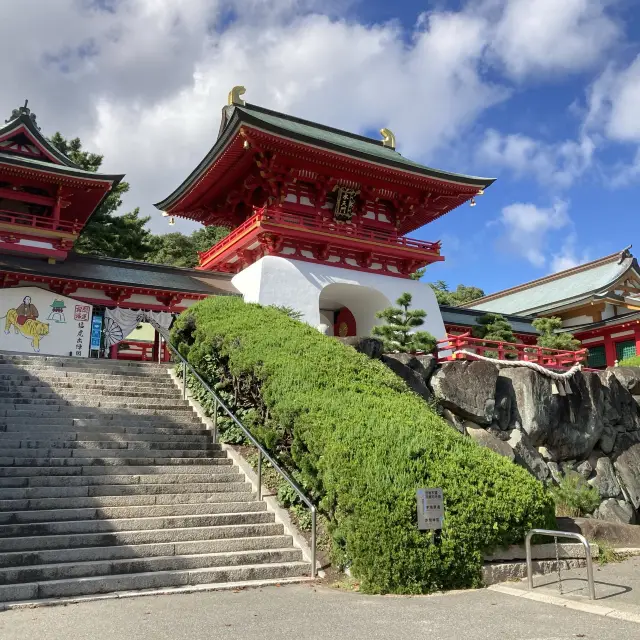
{"x":552,"y":358}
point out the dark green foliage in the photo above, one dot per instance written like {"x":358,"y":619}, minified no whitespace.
{"x":493,"y":326}
{"x":461,"y":295}
{"x":400,"y":321}
{"x":549,"y":337}
{"x":575,"y":497}
{"x":360,"y":444}
{"x":107,"y":234}
{"x":180,"y":250}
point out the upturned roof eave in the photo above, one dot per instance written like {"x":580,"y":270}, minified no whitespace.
{"x":241,"y":117}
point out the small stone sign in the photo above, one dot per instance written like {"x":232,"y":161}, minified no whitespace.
{"x":430,"y":509}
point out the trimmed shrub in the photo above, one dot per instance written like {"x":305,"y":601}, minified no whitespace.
{"x":633,"y":361}
{"x":361,"y":444}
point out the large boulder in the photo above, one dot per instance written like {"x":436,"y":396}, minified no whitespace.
{"x":629,"y":377}
{"x":504,"y":402}
{"x":615,"y":533}
{"x":527,"y":456}
{"x":467,"y":388}
{"x":486,"y":439}
{"x":411,"y":370}
{"x":605,"y":480}
{"x":627,"y":465}
{"x":569,"y":425}
{"x":371,"y":347}
{"x":615,"y":511}
{"x":619,"y":407}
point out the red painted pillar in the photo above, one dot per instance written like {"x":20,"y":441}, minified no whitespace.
{"x":610,"y":351}
{"x":113,"y":352}
{"x":636,"y":335}
{"x":156,"y":347}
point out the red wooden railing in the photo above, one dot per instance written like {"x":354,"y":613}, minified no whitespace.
{"x":138,"y":350}
{"x":317,"y":224}
{"x":552,"y":358}
{"x":37,"y":222}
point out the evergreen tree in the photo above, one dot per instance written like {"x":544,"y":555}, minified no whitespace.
{"x":417,"y":275}
{"x":179,"y":250}
{"x":399,"y":322}
{"x":107,"y":234}
{"x":551,"y":339}
{"x":493,"y":326}
{"x":461,"y":295}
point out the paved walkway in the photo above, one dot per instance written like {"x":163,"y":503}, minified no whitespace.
{"x":306,"y":612}
{"x":617,"y":589}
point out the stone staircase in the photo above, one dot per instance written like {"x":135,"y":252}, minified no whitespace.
{"x":109,"y":482}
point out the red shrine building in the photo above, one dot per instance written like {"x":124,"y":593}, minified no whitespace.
{"x":51,"y":297}
{"x":319,"y":217}
{"x":598,"y":302}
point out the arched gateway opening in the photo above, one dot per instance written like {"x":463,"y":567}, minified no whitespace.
{"x":350,"y":309}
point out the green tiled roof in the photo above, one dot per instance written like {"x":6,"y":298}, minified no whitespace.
{"x":560,"y":289}
{"x":349,"y":143}
{"x":307,"y":132}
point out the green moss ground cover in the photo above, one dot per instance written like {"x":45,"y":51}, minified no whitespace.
{"x":361,"y":443}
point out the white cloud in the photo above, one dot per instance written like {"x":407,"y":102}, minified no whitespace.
{"x":557,"y":164}
{"x":569,"y":256}
{"x":553,"y":36}
{"x":527,"y":227}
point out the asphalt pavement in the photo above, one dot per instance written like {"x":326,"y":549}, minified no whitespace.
{"x":309,"y":611}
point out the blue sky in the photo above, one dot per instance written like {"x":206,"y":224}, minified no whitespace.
{"x":543,"y":95}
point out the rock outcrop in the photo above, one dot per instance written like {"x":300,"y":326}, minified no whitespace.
{"x":521,"y":414}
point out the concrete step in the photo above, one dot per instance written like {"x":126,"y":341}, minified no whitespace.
{"x":75,"y":393}
{"x":146,"y":499}
{"x":70,"y":527}
{"x":108,"y":414}
{"x":143,"y":536}
{"x":120,"y":423}
{"x":26,"y":438}
{"x":67,"y":571}
{"x":26,"y":472}
{"x":217,"y":474}
{"x":27,"y":493}
{"x":62,"y":361}
{"x":114,"y":513}
{"x":91,"y":554}
{"x":77,"y":461}
{"x":8,"y":444}
{"x":88,"y":402}
{"x":87,"y":376}
{"x":69,"y":383}
{"x":150,"y":580}
{"x":106,"y":453}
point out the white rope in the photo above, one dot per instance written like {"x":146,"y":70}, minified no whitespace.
{"x":562,"y":378}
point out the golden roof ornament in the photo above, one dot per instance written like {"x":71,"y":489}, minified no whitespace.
{"x":388,"y":139}
{"x":235,"y":96}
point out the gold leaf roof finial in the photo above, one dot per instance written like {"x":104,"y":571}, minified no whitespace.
{"x":388,"y":139}
{"x":235,"y":96}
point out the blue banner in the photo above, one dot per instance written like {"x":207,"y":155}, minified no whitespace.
{"x":96,"y":332}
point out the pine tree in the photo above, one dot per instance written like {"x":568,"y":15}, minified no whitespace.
{"x":400,"y":321}
{"x":493,"y":326}
{"x":551,"y":339}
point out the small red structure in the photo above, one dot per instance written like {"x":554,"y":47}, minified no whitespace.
{"x":551,"y":358}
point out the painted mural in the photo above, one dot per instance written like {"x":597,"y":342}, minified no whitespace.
{"x":40,"y":321}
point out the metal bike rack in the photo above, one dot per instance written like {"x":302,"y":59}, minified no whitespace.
{"x":560,"y":534}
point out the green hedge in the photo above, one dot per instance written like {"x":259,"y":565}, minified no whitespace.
{"x":634,"y":361}
{"x":362,"y":443}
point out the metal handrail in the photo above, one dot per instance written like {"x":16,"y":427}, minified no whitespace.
{"x":560,"y":534}
{"x":262,"y":452}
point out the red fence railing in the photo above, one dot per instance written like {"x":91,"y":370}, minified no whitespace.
{"x":552,"y":358}
{"x":38,"y":222}
{"x":137,"y":350}
{"x":316,"y":223}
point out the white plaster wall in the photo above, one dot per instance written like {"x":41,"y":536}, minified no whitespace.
{"x":274,"y":280}
{"x":608,"y":311}
{"x":66,"y":334}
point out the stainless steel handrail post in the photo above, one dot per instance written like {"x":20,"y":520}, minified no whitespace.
{"x":262,"y":452}
{"x":184,"y":381}
{"x":560,"y":534}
